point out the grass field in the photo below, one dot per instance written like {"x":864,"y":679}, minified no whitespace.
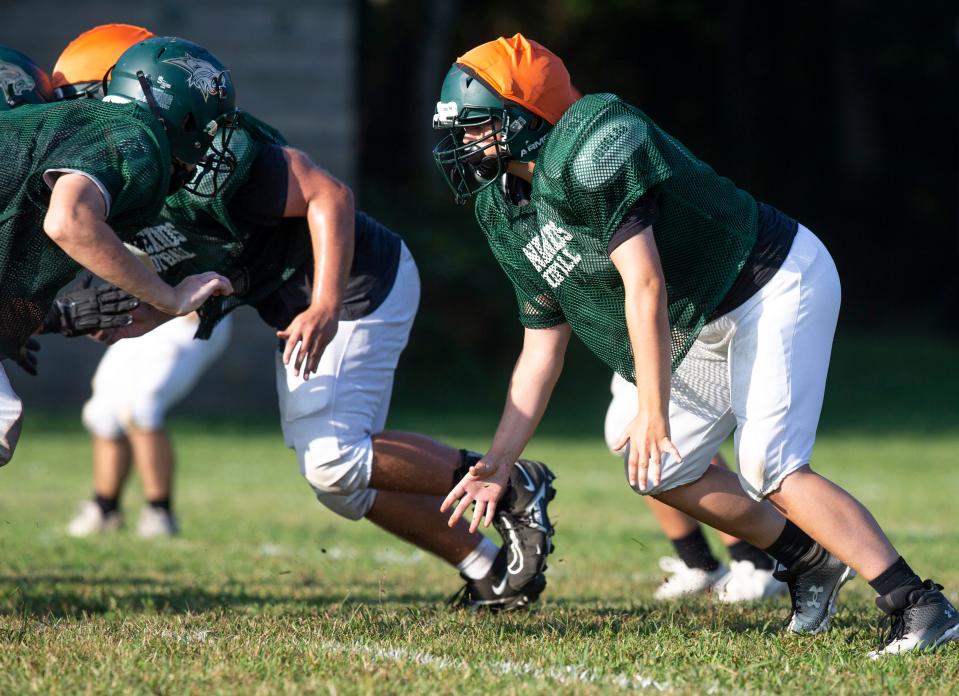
{"x":267,"y":592}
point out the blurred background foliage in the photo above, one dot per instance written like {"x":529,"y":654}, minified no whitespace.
{"x":842,"y":114}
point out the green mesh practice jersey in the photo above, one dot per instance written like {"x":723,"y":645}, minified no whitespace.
{"x":599,"y":159}
{"x":121,"y":145}
{"x":196,"y":234}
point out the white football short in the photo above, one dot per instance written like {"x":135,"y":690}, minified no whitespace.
{"x":11,"y":418}
{"x":139,"y":379}
{"x":759,"y":370}
{"x":330,"y":418}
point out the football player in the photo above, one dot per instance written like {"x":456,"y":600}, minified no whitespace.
{"x":694,"y":569}
{"x":342,"y":291}
{"x":720,"y":310}
{"x":92,"y":175}
{"x":126,"y":413}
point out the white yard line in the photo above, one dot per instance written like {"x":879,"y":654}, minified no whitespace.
{"x":568,"y":675}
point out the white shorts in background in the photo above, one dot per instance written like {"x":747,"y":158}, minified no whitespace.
{"x":330,"y":418}
{"x":11,"y":418}
{"x":759,"y":370}
{"x":139,"y":379}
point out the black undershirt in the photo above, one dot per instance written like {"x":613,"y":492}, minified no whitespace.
{"x":261,"y":201}
{"x":774,"y":238}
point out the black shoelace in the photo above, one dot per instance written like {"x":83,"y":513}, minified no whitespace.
{"x":460,"y":598}
{"x":897,"y":628}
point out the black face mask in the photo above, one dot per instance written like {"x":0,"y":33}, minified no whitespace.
{"x":181,"y":175}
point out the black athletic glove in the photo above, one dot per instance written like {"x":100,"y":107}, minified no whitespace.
{"x":27,"y":357}
{"x":86,"y":310}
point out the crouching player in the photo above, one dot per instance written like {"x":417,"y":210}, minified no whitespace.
{"x":342,"y":292}
{"x":720,"y":310}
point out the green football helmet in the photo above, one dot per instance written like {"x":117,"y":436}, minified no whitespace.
{"x":466,"y":101}
{"x":190,"y":91}
{"x":21,"y":80}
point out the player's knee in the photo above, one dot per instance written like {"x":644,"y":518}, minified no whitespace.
{"x":11,"y":431}
{"x":101,"y":418}
{"x":338,"y":469}
{"x":753,"y":466}
{"x":146,"y":413}
{"x":352,"y":506}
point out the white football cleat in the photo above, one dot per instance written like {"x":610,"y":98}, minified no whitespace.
{"x":684,"y":581}
{"x":90,"y":520}
{"x":746,"y":583}
{"x":156,"y":522}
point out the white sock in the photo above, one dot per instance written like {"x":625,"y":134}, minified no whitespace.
{"x":479,"y":561}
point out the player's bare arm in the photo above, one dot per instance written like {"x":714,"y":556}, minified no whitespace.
{"x":637,"y":261}
{"x":327,"y":205}
{"x":537,"y":369}
{"x":76,"y":222}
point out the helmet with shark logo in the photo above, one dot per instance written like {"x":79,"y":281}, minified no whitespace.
{"x":517,"y":88}
{"x":21,"y":80}
{"x":190,"y":91}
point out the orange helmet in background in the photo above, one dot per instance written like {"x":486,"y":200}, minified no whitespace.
{"x":81,"y":67}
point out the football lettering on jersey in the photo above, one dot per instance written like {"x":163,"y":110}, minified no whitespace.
{"x":548,"y":253}
{"x":162,"y":243}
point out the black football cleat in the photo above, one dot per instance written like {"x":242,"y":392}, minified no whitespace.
{"x":493,"y":593}
{"x":523,"y":522}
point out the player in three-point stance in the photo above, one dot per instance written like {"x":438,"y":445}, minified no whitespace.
{"x":342,"y":291}
{"x":720,"y":310}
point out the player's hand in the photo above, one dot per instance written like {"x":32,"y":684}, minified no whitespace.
{"x":484,"y":484}
{"x":145,"y":318}
{"x":27,"y":356}
{"x":88,"y":308}
{"x":194,"y":290}
{"x":312,"y":329}
{"x":648,"y":439}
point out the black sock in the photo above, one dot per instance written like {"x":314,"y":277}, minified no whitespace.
{"x":693,"y":550}
{"x":899,"y":574}
{"x":106,"y":505}
{"x":791,"y":545}
{"x":160,"y":503}
{"x":744,"y":551}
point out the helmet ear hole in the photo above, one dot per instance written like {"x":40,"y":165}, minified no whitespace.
{"x":189,"y":122}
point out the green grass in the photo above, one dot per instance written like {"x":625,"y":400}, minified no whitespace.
{"x":267,"y":592}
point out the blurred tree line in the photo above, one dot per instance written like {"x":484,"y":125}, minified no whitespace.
{"x":843,"y":114}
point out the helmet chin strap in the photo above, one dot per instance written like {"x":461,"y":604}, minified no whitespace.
{"x":148,"y":95}
{"x":487,"y":168}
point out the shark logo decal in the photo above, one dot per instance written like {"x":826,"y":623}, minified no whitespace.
{"x":15,"y":80}
{"x":201,"y":74}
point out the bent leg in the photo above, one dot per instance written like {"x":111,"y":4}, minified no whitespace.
{"x":836,"y":520}
{"x":334,"y":421}
{"x":718,"y":500}
{"x":418,"y":520}
{"x":413,"y":463}
{"x":779,"y":360}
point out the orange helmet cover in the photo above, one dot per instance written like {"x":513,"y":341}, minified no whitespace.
{"x":88,"y":57}
{"x":523,"y":72}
